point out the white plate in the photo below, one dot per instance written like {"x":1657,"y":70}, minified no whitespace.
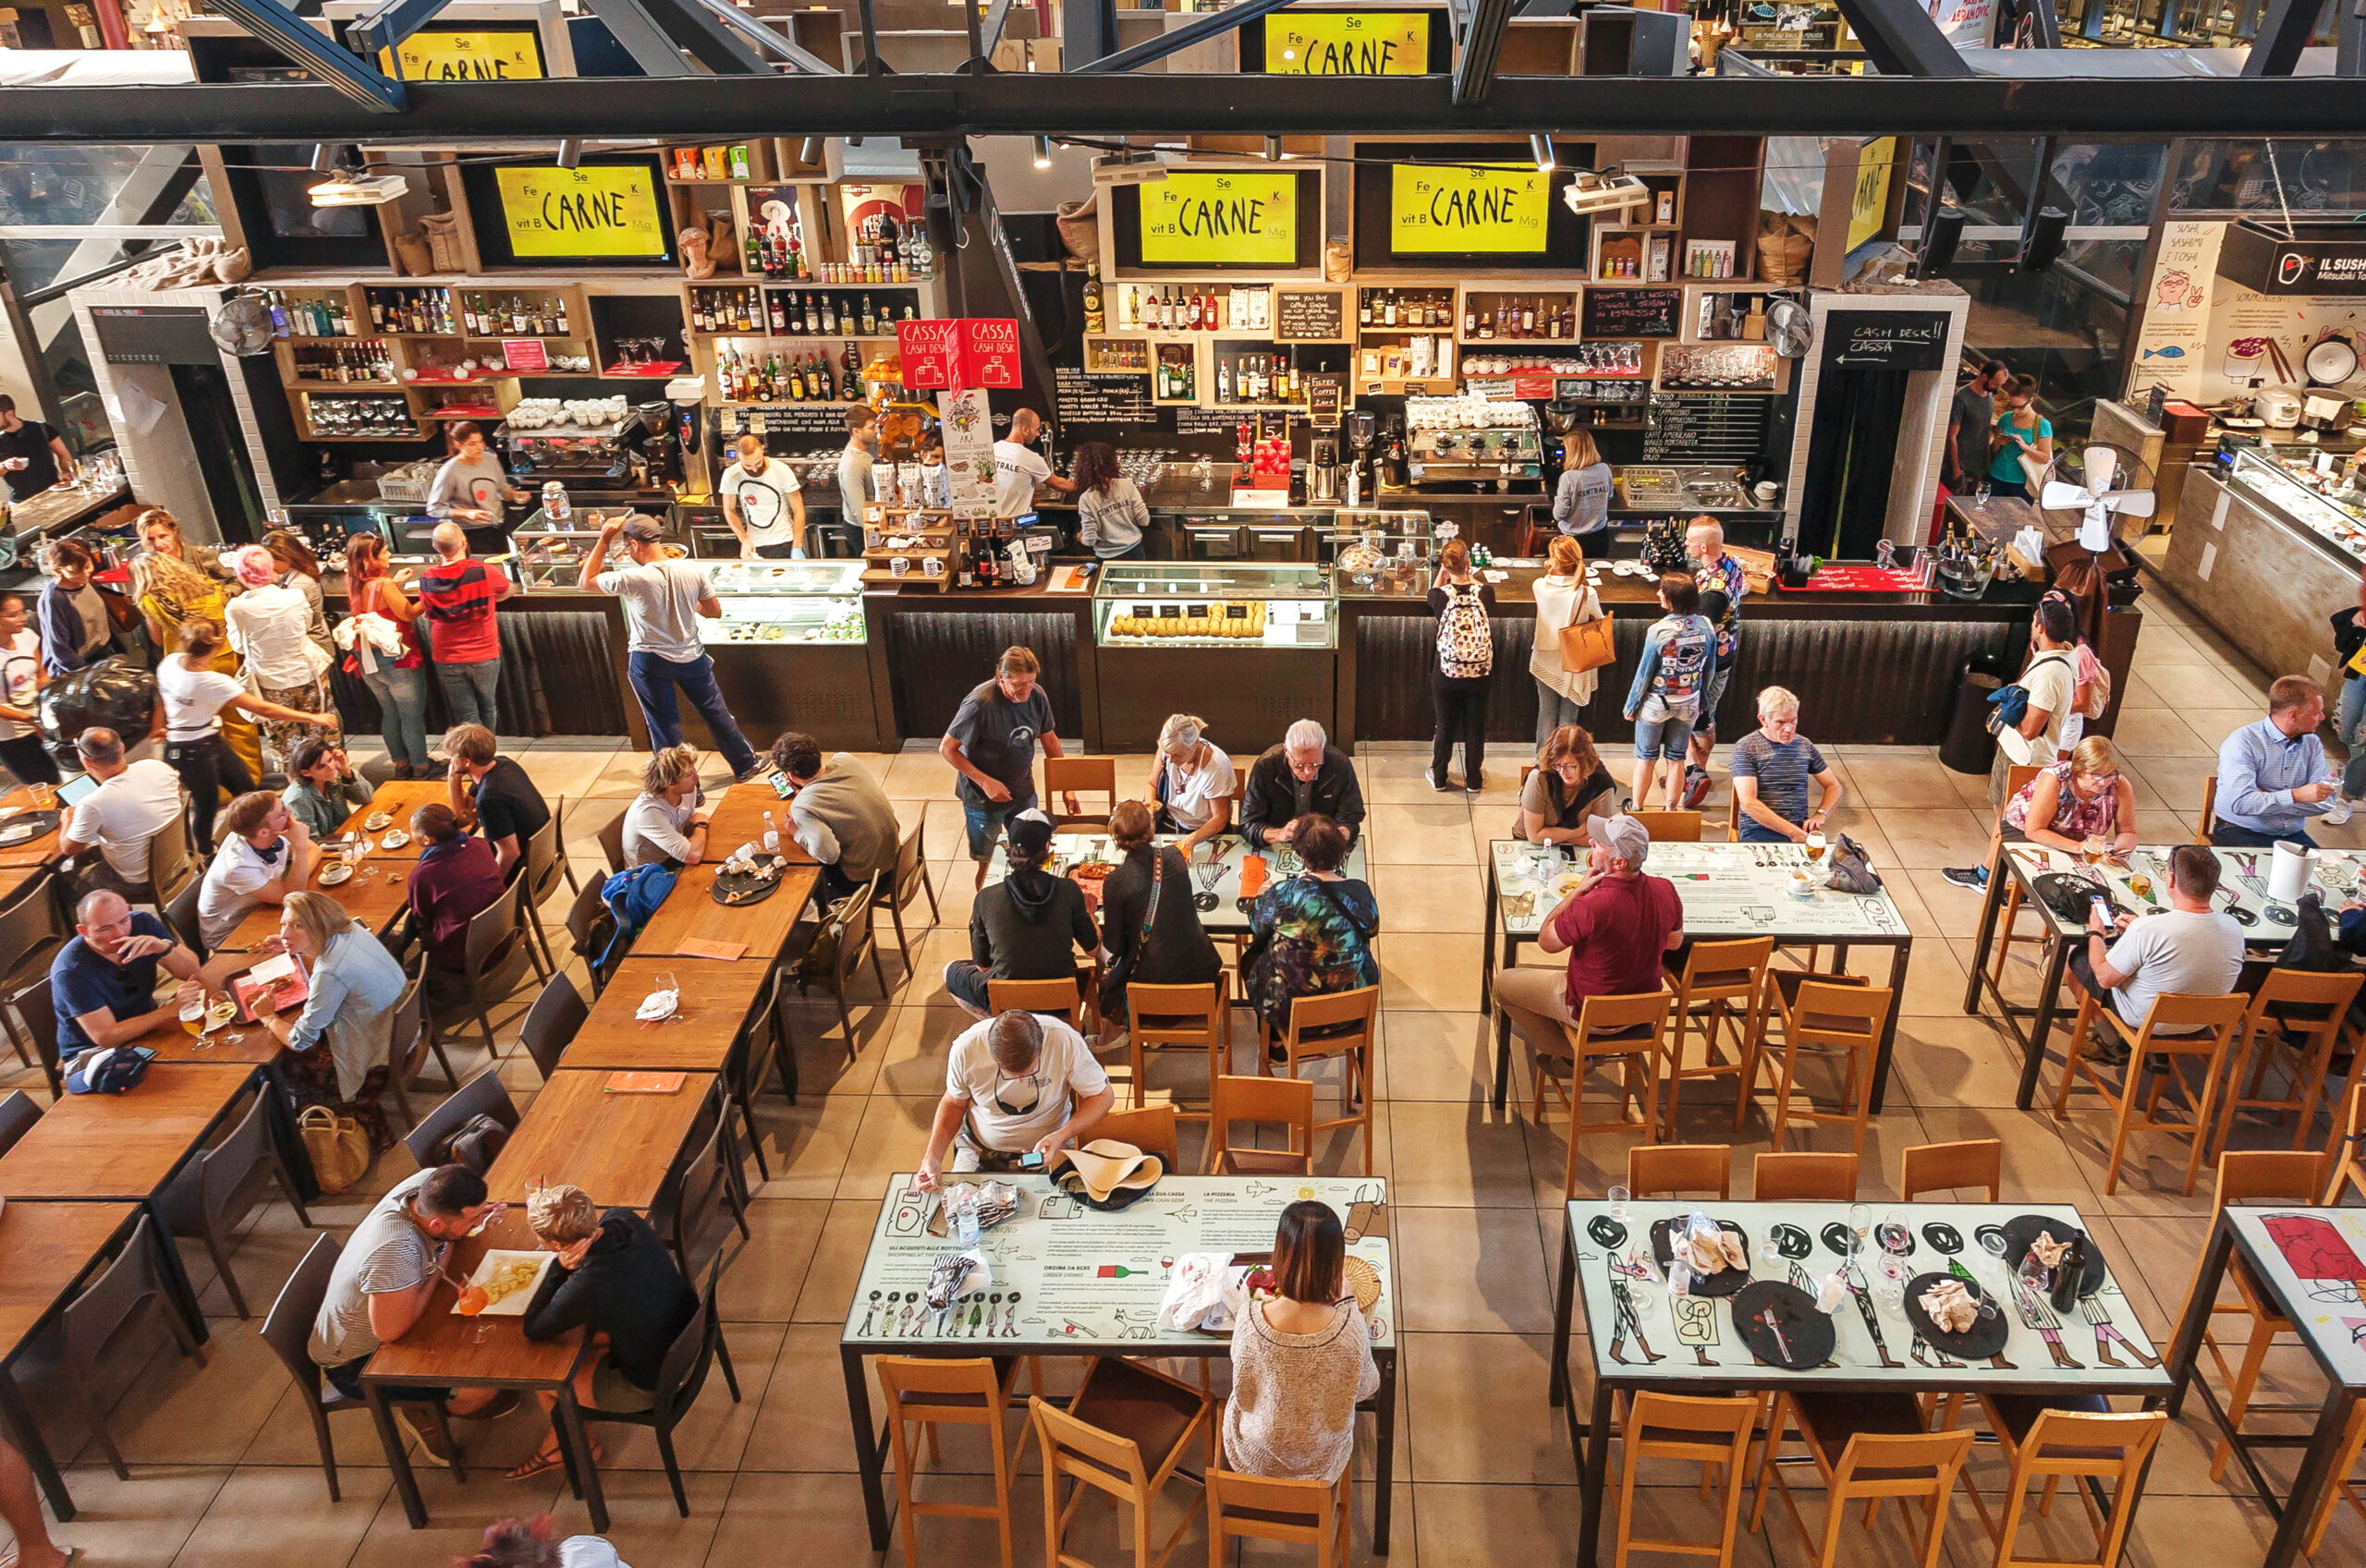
{"x":337,"y":876}
{"x":514,"y":1303}
{"x":377,"y":819}
{"x":394,"y":840}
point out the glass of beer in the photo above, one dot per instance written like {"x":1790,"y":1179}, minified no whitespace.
{"x":193,"y":1015}
{"x":1815,"y":847}
{"x":2092,"y":850}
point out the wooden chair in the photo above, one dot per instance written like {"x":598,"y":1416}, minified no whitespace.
{"x":2216,"y":1018}
{"x":1824,"y":1016}
{"x":2015,"y":776}
{"x":2207,"y":823}
{"x":2341,"y":1149}
{"x":928,"y":1394}
{"x":1053,"y":999}
{"x":2288,"y":1003}
{"x":2260,"y":1175}
{"x":1721,"y":982}
{"x":611,"y":840}
{"x":1088,"y":775}
{"x":1803,"y":1178}
{"x":1150,"y":1129}
{"x":2339,"y":1488}
{"x":1629,"y":1031}
{"x":1669,"y":1170}
{"x":1869,"y":1446}
{"x":1199,"y":1017}
{"x":910,"y":881}
{"x":1930,"y":1167}
{"x":1294,"y":1513}
{"x":1714,"y":1433}
{"x":1670,"y":826}
{"x":1123,"y":1434}
{"x":2043,"y":1439}
{"x":1336,"y":1024}
{"x":1288,"y":1103}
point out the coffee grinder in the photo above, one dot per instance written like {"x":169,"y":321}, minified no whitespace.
{"x":1360,"y":432}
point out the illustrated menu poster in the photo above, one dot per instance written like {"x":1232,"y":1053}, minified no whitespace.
{"x":1727,"y":890}
{"x":969,"y":431}
{"x":1636,"y":1322}
{"x":2313,"y":1259}
{"x":1062,"y":1271}
{"x":2170,"y":344}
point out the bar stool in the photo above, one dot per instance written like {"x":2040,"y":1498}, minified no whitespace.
{"x":2216,"y":1017}
{"x":1713,"y":1432}
{"x":1864,"y":1445}
{"x":1123,"y":1434}
{"x":1627,"y":1031}
{"x":1669,"y":1170}
{"x":933,"y":1394}
{"x":1057,"y":999}
{"x":1336,"y":1024}
{"x":2288,"y":1002}
{"x":2246,"y":1176}
{"x":1829,"y":1016}
{"x":1294,"y":1513}
{"x":2070,"y":1440}
{"x":2015,"y":776}
{"x":1066,"y":775}
{"x":2343,"y":1146}
{"x":1719,"y":980}
{"x":1675,"y":825}
{"x":2207,"y":823}
{"x":2338,"y":1486}
{"x":1803,"y":1178}
{"x":1199,"y":1016}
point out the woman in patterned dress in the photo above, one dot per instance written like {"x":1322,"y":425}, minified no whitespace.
{"x":172,"y":590}
{"x":1312,"y":935}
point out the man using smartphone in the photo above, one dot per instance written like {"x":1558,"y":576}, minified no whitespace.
{"x":1017,"y":1085}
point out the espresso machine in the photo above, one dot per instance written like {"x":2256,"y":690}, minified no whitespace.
{"x":1323,"y":476}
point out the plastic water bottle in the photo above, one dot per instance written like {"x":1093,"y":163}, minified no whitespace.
{"x":772,"y":836}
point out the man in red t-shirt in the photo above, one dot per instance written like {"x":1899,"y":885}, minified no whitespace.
{"x":1615,"y":925}
{"x":456,"y":595}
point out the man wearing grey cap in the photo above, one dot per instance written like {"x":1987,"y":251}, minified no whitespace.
{"x":1615,"y":925}
{"x":662,"y":599}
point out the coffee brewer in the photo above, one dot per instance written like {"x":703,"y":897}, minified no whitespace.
{"x":1323,"y":477}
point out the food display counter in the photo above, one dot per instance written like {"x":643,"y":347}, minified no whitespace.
{"x":1175,"y":634}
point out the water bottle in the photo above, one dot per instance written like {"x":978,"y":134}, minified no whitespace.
{"x":772,"y":836}
{"x":965,"y":1216}
{"x":555,"y":507}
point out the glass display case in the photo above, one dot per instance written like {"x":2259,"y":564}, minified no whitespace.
{"x":785,"y":601}
{"x":543,"y":559}
{"x":1211,"y":605}
{"x":2330,"y":503}
{"x":1378,"y":554}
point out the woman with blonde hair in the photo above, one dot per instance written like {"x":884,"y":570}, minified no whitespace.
{"x":270,"y":626}
{"x":1570,"y":784}
{"x":383,"y":653}
{"x":667,"y":822}
{"x":173,"y":587}
{"x":1581,"y":503}
{"x":354,"y":984}
{"x":2082,"y":801}
{"x":1192,"y":782}
{"x":1564,"y":599}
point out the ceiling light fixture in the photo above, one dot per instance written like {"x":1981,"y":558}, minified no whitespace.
{"x":1042,"y":152}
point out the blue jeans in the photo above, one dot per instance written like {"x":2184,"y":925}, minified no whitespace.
{"x":653,"y":680}
{"x":1552,"y":711}
{"x":468,"y":691}
{"x":2226,"y":835}
{"x":987,"y":821}
{"x":402,"y":712}
{"x":2346,"y":721}
{"x":1666,"y":738}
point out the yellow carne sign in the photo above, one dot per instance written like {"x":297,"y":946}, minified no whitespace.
{"x":1238,"y":217}
{"x":1467,"y":210}
{"x":1348,"y":44}
{"x":458,"y":54}
{"x":594,"y":210}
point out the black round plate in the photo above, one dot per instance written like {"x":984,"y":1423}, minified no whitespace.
{"x":1791,"y":1241}
{"x":1986,"y":1338}
{"x":1606,"y":1231}
{"x":1809,"y":1333}
{"x":1944,"y":1239}
{"x":740,"y":892}
{"x":27,"y":826}
{"x":2242,"y":915}
{"x":2022,"y":1229}
{"x":1724,"y":1281}
{"x":1837,"y":1237}
{"x":1204,"y":902}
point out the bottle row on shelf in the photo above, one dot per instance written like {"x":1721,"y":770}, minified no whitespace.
{"x":808,"y":378}
{"x":791,"y":313}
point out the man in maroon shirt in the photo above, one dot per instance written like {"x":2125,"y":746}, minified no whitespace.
{"x":1615,"y":926}
{"x":456,"y":595}
{"x":456,"y":879}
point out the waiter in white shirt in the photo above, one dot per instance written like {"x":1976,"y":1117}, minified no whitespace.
{"x":1019,"y":468}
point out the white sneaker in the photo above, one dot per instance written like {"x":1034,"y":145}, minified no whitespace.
{"x":2339,"y":812}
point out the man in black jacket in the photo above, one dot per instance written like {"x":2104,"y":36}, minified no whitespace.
{"x":614,"y":1277}
{"x":1305,"y":775}
{"x":1026,"y":927}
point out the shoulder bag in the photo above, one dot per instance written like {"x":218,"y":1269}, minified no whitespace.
{"x":338,"y":1146}
{"x":1588,"y":645}
{"x":1114,"y":978}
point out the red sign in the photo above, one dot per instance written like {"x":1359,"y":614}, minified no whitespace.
{"x":989,"y":352}
{"x":931,"y":355}
{"x":1531,"y":388}
{"x":524,"y":354}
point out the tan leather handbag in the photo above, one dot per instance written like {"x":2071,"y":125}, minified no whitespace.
{"x":1587,"y":645}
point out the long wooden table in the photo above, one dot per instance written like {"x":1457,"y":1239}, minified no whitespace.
{"x":38,"y":851}
{"x":376,"y":896}
{"x":398,"y":798}
{"x":715,"y":998}
{"x":123,"y":1147}
{"x":47,"y":1251}
{"x":618,"y":1148}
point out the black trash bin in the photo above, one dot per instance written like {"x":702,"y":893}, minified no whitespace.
{"x":1970,"y":748}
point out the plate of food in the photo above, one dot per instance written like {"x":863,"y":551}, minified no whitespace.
{"x":394,"y":840}
{"x":377,"y":819}
{"x":504,"y":1283}
{"x":1971,"y":1330}
{"x":748,"y":881}
{"x":1733,"y":1258}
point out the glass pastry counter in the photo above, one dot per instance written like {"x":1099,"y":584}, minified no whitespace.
{"x":784,"y":602}
{"x":2320,"y":497}
{"x":546,"y":559}
{"x":1211,"y":604}
{"x":1377,"y":553}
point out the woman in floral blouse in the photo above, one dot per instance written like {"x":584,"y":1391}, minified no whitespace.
{"x":1311,"y":934}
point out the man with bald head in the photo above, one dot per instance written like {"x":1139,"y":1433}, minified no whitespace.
{"x":456,"y":596}
{"x":103,"y":982}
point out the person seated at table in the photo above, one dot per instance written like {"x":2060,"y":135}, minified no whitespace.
{"x":322,"y":789}
{"x":2188,"y":949}
{"x":838,"y":814}
{"x":20,"y":682}
{"x":666,"y":823}
{"x":456,"y":880}
{"x":1305,"y":776}
{"x":1017,"y":1084}
{"x":535,"y":1543}
{"x":1193,"y":782}
{"x":266,"y":856}
{"x":2273,"y":777}
{"x":134,"y":800}
{"x":1147,"y":916}
{"x":1026,"y":927}
{"x":492,"y":795}
{"x":615,"y":1280}
{"x":1567,"y":786}
{"x":1771,"y":767}
{"x":1311,"y":934}
{"x":2084,"y":799}
{"x":103,"y":983}
{"x":1615,"y":925}
{"x":354,"y":983}
{"x":1302,"y":1359}
{"x":384,"y":1279}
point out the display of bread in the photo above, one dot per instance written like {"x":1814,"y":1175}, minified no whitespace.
{"x":1215,"y":619}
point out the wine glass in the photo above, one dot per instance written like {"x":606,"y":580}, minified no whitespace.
{"x":1896,"y":1237}
{"x":1860,"y":1224}
{"x":1891,"y":1292}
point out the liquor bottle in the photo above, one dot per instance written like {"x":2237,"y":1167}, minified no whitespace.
{"x":279,"y":315}
{"x":1487,"y":323}
{"x":1388,"y":308}
{"x":870,"y":319}
{"x":1363,"y":307}
{"x":828,"y":325}
{"x":1095,"y":319}
{"x":1470,"y":316}
{"x":468,"y":314}
{"x":1528,"y":317}
{"x":778,"y":314}
{"x":1552,"y":322}
{"x":793,"y":385}
{"x":1223,"y":381}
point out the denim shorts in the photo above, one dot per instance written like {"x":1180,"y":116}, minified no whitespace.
{"x":1665,"y":738}
{"x":986,"y":823}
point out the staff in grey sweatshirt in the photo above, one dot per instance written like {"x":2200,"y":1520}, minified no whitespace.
{"x":472,"y":485}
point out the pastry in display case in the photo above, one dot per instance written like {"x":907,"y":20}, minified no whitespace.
{"x":1378,"y":552}
{"x":1207,"y":605}
{"x":2320,"y":491}
{"x":785,"y":601}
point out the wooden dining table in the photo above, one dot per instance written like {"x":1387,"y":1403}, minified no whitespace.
{"x":691,"y":915}
{"x":617,"y":1146}
{"x":714,"y":1000}
{"x":396,"y":799}
{"x":37,"y":851}
{"x":376,"y":896}
{"x":47,"y":1251}
{"x":123,"y":1146}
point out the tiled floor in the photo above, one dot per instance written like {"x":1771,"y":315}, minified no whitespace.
{"x":223,"y":1460}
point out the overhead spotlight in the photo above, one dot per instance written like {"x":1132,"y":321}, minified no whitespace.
{"x":1042,"y":152}
{"x":1541,"y":146}
{"x":570,"y":151}
{"x":1590,"y":192}
{"x":809,"y":152}
{"x":1272,"y":150}
{"x":323,"y":157}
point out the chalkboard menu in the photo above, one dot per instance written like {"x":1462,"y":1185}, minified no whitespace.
{"x":1889,"y":340}
{"x":1310,"y":315}
{"x":1704,"y":427}
{"x":798,"y":418}
{"x":1083,"y":398}
{"x":1205,"y":422}
{"x":1631,"y":312}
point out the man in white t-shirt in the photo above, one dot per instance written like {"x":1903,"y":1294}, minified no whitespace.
{"x":761,"y":502}
{"x":1017,"y":1084}
{"x":2187,"y":950}
{"x":20,"y":682}
{"x":266,"y":856}
{"x":664,"y":601}
{"x":1019,"y":468}
{"x":133,"y":801}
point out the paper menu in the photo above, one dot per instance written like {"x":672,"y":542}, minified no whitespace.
{"x":277,"y":980}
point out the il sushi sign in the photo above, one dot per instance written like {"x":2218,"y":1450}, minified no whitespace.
{"x":970,"y":351}
{"x":2319,"y":258}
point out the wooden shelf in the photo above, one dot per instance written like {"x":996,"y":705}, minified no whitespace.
{"x":296,"y":383}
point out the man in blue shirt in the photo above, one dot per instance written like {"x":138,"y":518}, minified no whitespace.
{"x":103,"y":982}
{"x":2273,"y":775}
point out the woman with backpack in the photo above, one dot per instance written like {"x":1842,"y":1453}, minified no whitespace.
{"x":1466,"y":666}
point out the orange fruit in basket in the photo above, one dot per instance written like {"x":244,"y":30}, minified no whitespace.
{"x":473,"y":1300}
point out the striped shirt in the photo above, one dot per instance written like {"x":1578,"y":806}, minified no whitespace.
{"x":1782,"y":771}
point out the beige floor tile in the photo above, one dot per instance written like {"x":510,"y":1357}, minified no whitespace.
{"x":2179,"y":685}
{"x":802,"y":1423}
{"x":941,"y":815}
{"x":1907,"y":778}
{"x":2038,"y":1167}
{"x":573,"y":774}
{"x":1479,"y":1272}
{"x":891,"y":1139}
{"x":1429,"y":970}
{"x":821,"y":1514}
{"x":176,"y":1412}
{"x":1934,"y":977}
{"x":918,"y":775}
{"x":457,"y":1515}
{"x":1467,"y":1156}
{"x":767,"y":1273}
{"x":1430,"y":898}
{"x":1484,"y":1525}
{"x":1953,"y":910}
{"x":1420,"y":835}
{"x":1445,"y":1056}
{"x":1948,"y":836}
{"x":910,"y":1061}
{"x":812,"y":1137}
{"x":642,"y":1521}
{"x":1463,"y":1429}
{"x":1956,"y":1061}
{"x":264,"y":1515}
{"x":145,"y":1522}
{"x":838,"y":1262}
{"x":2157,"y":732}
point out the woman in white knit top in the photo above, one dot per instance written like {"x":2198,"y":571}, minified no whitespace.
{"x":1301,"y":1361}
